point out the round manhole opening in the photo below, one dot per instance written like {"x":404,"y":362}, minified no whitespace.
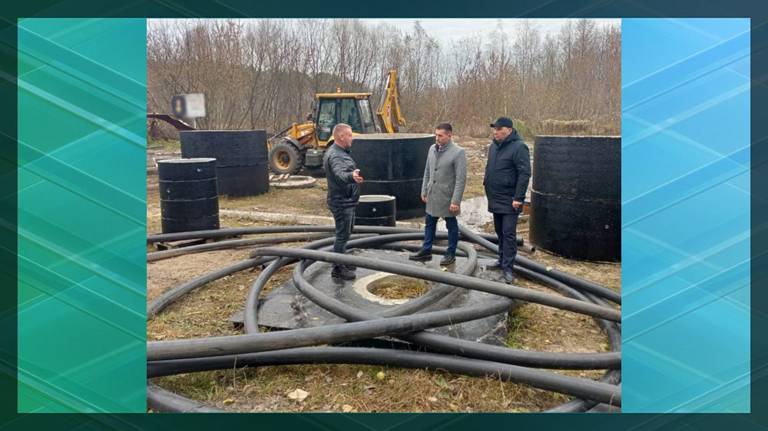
{"x":397,"y":287}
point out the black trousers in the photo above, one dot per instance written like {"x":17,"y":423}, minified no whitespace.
{"x":506,"y":230}
{"x":344,"y":219}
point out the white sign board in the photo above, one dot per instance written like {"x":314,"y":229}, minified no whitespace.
{"x":195,"y":105}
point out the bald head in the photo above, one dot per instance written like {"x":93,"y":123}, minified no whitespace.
{"x":342,"y":135}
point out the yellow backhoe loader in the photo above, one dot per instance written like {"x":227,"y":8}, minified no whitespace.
{"x":303,"y":144}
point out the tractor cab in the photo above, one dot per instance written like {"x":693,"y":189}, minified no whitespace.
{"x":350,"y":108}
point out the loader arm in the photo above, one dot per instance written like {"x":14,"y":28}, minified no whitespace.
{"x":389,"y":113}
{"x":176,"y":122}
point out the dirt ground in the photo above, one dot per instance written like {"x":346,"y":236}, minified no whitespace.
{"x":353,"y":388}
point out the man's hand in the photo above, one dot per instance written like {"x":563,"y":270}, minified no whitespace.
{"x":517,"y":205}
{"x":423,"y":198}
{"x":454,"y":208}
{"x":357,"y":177}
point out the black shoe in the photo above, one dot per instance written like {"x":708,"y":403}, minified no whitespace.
{"x":494,"y":265}
{"x":509,"y":277}
{"x":342,"y":273}
{"x":447,"y":260}
{"x":421,"y":256}
{"x":352,"y":268}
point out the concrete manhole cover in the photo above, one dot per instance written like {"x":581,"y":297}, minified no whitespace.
{"x":389,"y":289}
{"x":291,"y":181}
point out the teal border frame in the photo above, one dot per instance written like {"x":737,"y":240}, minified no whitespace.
{"x":82,"y":215}
{"x":685,"y":215}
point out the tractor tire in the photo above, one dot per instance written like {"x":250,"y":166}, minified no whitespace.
{"x":285,"y":158}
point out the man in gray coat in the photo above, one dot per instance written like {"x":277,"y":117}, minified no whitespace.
{"x":441,"y":189}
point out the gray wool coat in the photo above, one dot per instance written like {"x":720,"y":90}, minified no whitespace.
{"x":445,"y":176}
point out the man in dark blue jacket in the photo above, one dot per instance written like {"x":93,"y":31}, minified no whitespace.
{"x":344,"y":181}
{"x":507,"y":172}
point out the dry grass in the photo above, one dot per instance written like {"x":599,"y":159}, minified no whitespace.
{"x":575,"y":127}
{"x":294,"y":201}
{"x":476,"y":150}
{"x":398,"y":287}
{"x":606,"y":273}
{"x":204,"y":312}
{"x":339,"y":388}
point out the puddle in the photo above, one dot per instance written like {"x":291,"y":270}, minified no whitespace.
{"x":474,"y":213}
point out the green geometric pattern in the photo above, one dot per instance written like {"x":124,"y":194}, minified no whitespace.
{"x":81,"y":215}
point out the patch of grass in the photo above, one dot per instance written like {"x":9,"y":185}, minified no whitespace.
{"x":606,"y":273}
{"x":524,"y":131}
{"x":398,"y":287}
{"x":311,"y":201}
{"x":166,"y":145}
{"x":206,"y":311}
{"x":332,"y":387}
{"x":517,"y":319}
{"x":473,"y":189}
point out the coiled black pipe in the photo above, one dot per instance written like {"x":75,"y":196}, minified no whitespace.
{"x":464,"y":347}
{"x":257,"y":230}
{"x":578,"y":405}
{"x":569,"y":279}
{"x":493,"y":287}
{"x":170,"y":296}
{"x":161,"y":400}
{"x":234,"y":344}
{"x":225,"y":245}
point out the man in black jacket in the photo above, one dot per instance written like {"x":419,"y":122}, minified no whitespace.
{"x":507,"y":172}
{"x":344,"y":181}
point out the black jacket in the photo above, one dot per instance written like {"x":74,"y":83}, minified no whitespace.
{"x":507,"y":173}
{"x":343,"y":191}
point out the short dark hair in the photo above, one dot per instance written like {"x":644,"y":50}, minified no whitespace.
{"x":444,"y":126}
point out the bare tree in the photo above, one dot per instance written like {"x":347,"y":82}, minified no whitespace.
{"x":264,"y":73}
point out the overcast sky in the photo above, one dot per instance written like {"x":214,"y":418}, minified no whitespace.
{"x":446,"y":30}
